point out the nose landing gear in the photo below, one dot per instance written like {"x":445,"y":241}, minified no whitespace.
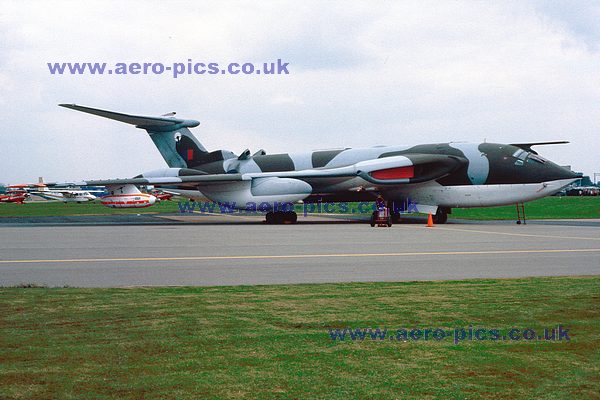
{"x":441,"y":216}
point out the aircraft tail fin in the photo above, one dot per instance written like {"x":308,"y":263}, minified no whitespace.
{"x":178,"y":146}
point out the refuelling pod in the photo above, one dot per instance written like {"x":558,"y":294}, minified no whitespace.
{"x":266,"y":192}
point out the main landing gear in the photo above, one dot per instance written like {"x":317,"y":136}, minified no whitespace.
{"x":395,"y":206}
{"x":281,"y":217}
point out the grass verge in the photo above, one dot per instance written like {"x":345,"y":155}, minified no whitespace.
{"x":554,"y":207}
{"x":274,"y":341}
{"x":58,"y":209}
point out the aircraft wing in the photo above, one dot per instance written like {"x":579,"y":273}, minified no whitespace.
{"x":405,"y":169}
{"x":73,"y":192}
{"x":172,"y":180}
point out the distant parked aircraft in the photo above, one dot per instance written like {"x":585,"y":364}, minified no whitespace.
{"x":14,"y":195}
{"x":64,"y":195}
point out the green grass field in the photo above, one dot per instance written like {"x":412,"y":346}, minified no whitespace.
{"x":546,"y":208}
{"x":53,"y":208}
{"x":273,"y":341}
{"x":554,"y":207}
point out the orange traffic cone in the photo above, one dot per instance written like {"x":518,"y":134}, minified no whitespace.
{"x":430,"y":221}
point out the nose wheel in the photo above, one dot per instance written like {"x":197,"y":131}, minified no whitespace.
{"x":440,"y":217}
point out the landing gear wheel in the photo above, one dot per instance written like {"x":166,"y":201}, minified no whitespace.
{"x":440,"y":217}
{"x":280,"y":217}
{"x":270,"y":218}
{"x":389,"y":221}
{"x":291,"y":217}
{"x":396,"y":218}
{"x":373,"y":219}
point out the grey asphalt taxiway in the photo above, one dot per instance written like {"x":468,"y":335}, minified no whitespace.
{"x":203,"y":249}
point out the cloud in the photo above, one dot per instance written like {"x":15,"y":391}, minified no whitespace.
{"x":360,"y":74}
{"x":580,"y":20}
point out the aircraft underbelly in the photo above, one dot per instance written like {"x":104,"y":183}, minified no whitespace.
{"x":429,"y":193}
{"x":480,"y":195}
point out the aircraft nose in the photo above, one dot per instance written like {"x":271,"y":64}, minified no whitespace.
{"x":556,"y":172}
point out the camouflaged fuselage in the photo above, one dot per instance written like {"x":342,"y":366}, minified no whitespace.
{"x":482,"y":164}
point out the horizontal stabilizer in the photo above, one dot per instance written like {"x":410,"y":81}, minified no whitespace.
{"x":139,"y":121}
{"x":171,"y":136}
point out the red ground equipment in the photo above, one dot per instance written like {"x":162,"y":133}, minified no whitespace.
{"x":381,"y":216}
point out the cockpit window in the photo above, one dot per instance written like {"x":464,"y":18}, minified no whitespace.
{"x":523,"y":156}
{"x":520,"y":154}
{"x":536,"y":158}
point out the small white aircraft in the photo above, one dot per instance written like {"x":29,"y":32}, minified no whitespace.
{"x":67,"y":195}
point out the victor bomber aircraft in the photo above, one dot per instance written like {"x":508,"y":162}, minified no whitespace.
{"x":437,"y":177}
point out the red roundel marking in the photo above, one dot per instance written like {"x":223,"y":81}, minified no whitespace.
{"x":394,"y":173}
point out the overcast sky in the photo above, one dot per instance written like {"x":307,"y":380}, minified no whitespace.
{"x":361,"y":74}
